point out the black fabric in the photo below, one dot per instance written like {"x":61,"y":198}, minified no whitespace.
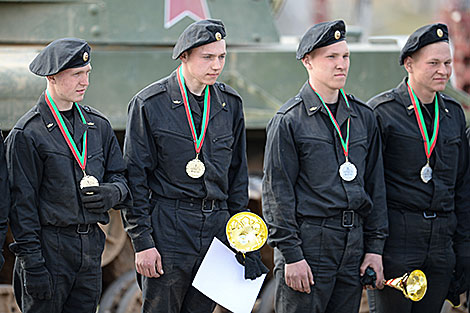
{"x":404,"y":156}
{"x":417,"y":243}
{"x":68,"y":114}
{"x":369,"y":278}
{"x":159,"y":144}
{"x":321,"y":35}
{"x":73,"y":262}
{"x":5,"y":196}
{"x":182,"y":237}
{"x":424,"y":36}
{"x":99,"y":199}
{"x":301,"y":180}
{"x":253,"y":264}
{"x":38,"y":283}
{"x":334,"y":256}
{"x":198,"y":34}
{"x":45,"y":192}
{"x":59,"y":55}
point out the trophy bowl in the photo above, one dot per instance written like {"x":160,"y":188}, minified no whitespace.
{"x":413,"y":285}
{"x":246,"y":232}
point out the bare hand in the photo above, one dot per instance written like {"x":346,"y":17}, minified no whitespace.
{"x":299,"y":276}
{"x":149,"y":263}
{"x":375,"y":262}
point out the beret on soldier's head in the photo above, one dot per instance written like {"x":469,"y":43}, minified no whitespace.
{"x":198,"y":34}
{"x":321,"y":35}
{"x":59,"y":55}
{"x":424,"y":36}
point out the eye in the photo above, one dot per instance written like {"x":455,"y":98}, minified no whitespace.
{"x":222,"y":57}
{"x":432,"y":63}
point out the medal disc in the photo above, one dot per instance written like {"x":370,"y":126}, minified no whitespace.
{"x":347,"y":171}
{"x":88,"y":181}
{"x":426,"y":173}
{"x":195,"y":168}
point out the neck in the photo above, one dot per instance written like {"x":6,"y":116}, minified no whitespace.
{"x":194,"y":86}
{"x":328,"y":95}
{"x":423,"y":94}
{"x":61,"y":104}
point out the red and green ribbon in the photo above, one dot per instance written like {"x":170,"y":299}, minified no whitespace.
{"x":80,"y":157}
{"x":344,"y":143}
{"x":198,"y":141}
{"x":428,"y":144}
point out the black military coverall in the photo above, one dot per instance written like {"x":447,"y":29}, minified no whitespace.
{"x":428,"y":222}
{"x":304,"y":200}
{"x":56,"y":238}
{"x":173,"y":212}
{"x":5,"y":198}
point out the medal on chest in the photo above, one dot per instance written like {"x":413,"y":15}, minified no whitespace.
{"x":429,"y":144}
{"x":195,"y":168}
{"x":347,"y":170}
{"x":87,"y":180}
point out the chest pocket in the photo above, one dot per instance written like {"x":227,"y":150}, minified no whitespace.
{"x":221,"y":151}
{"x":95,"y":163}
{"x":404,"y":154}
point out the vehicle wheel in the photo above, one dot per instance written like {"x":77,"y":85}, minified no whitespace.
{"x":114,"y":293}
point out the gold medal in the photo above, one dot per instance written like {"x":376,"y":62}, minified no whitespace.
{"x":195,"y":168}
{"x":246,"y":232}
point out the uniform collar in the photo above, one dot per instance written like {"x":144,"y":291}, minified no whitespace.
{"x":405,"y":100}
{"x":313,"y":104}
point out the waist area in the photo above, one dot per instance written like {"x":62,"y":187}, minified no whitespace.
{"x":344,"y":220}
{"x":77,"y":229}
{"x":194,"y":204}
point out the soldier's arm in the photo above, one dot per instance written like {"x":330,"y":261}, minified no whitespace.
{"x":5,"y":196}
{"x":25,"y":174}
{"x":281,"y":168}
{"x":139,"y":156}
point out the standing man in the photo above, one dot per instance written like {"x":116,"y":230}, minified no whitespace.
{"x":427,"y":173}
{"x":323,"y":186}
{"x":5,"y":199}
{"x":66,"y":171}
{"x":186,"y":158}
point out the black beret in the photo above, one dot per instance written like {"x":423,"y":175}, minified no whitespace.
{"x":198,"y":34}
{"x":424,"y":36}
{"x":321,"y":35}
{"x":60,"y":55}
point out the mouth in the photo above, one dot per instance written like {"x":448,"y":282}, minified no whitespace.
{"x":81,"y":91}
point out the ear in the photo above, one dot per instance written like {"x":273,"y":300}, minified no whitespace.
{"x":408,"y":64}
{"x":306,"y":61}
{"x":184,"y":57}
{"x":51,"y":79}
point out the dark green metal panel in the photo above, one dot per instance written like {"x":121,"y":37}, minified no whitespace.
{"x":126,"y":22}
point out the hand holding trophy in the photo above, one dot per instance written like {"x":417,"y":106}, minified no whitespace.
{"x":413,"y":285}
{"x":246,"y":233}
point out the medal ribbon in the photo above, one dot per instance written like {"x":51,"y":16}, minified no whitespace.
{"x":428,"y":144}
{"x":344,"y":144}
{"x":198,"y":141}
{"x":80,"y":157}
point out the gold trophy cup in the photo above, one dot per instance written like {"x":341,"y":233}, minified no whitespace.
{"x":246,"y":232}
{"x":413,"y":285}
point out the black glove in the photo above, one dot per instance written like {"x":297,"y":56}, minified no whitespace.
{"x":254,"y":267}
{"x":369,"y":277}
{"x":100,"y":199}
{"x":38,"y":283}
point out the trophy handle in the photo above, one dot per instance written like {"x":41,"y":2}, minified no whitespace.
{"x":413,"y":285}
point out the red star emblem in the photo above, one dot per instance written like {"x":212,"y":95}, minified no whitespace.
{"x":176,"y":10}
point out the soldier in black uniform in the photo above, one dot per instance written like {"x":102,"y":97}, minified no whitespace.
{"x":426,"y":164}
{"x":323,"y":185}
{"x":66,"y":171}
{"x":186,"y":159}
{"x":5,"y":196}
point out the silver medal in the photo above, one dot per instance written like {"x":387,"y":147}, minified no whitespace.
{"x":195,"y":168}
{"x":347,"y":171}
{"x":426,"y":173}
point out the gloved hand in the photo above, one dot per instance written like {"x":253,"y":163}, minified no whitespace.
{"x":254,"y":267}
{"x":99,"y":199}
{"x":38,"y":283}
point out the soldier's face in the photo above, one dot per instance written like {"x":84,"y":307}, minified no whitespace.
{"x":430,"y":67}
{"x":328,"y":66}
{"x":203,"y":65}
{"x":70,"y":84}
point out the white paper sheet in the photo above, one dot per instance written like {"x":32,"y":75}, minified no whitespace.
{"x":221,"y":278}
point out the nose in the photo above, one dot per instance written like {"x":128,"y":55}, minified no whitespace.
{"x":85,"y":81}
{"x":444,"y":69}
{"x":217,"y":64}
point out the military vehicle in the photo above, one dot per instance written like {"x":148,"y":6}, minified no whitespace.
{"x":131,"y":47}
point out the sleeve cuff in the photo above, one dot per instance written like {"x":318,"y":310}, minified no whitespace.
{"x":292,"y":255}
{"x":143,"y":243}
{"x":374,"y":246}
